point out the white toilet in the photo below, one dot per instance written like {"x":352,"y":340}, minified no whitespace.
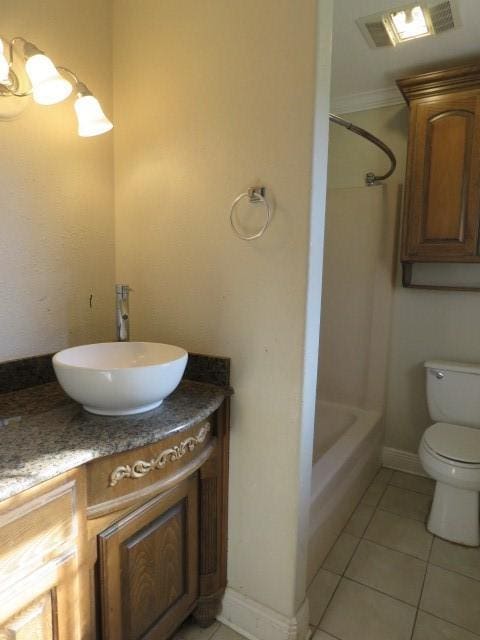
{"x":450,"y":450}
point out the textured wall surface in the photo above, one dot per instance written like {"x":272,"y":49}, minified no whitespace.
{"x":229,"y":104}
{"x":56,"y":240}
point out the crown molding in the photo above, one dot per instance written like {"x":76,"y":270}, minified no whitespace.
{"x":367,"y":100}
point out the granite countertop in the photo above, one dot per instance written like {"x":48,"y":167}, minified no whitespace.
{"x":43,"y":433}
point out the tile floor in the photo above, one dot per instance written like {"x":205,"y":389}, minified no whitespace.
{"x":387,"y":578}
{"x":190,"y":631}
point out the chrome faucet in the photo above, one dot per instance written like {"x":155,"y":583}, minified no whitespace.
{"x":121,"y":312}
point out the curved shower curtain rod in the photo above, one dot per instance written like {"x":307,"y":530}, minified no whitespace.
{"x":370,"y":177}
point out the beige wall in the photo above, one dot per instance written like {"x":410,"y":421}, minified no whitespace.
{"x":56,"y":240}
{"x":210,"y":98}
{"x":425,"y":324}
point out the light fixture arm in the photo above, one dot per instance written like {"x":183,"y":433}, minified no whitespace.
{"x":11,"y":45}
{"x":70,"y":73}
{"x":48,"y":84}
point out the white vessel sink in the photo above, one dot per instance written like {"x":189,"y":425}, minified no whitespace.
{"x":120,"y":378}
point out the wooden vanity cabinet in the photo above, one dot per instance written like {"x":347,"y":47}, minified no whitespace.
{"x":123,"y":548}
{"x":442,"y":195}
{"x":158,"y":532}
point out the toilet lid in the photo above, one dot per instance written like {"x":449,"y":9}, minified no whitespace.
{"x":454,"y":442}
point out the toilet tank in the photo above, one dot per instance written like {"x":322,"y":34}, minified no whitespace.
{"x":453,"y":392}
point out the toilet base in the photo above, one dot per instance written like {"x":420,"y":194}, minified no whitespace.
{"x":454,"y":515}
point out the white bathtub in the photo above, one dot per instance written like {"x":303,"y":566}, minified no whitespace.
{"x":346,"y":456}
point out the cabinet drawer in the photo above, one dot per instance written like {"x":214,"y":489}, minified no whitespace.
{"x":118,"y":481}
{"x":35,"y":530}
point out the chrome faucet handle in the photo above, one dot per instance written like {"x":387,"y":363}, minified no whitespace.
{"x":122,"y":312}
{"x":123,"y":289}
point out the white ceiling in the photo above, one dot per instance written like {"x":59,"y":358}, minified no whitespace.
{"x":358,"y":70}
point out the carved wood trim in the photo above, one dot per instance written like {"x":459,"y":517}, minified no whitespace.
{"x":135,"y":497}
{"x":140,"y":468}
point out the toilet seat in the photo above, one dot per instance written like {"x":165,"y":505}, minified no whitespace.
{"x":453,"y":442}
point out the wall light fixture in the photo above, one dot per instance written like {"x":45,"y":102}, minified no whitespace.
{"x":47,"y":84}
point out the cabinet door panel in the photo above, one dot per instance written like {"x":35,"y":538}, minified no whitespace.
{"x":448,"y":165}
{"x":45,"y":605}
{"x":153,"y":563}
{"x":442,"y":206}
{"x":34,"y":622}
{"x":149,"y":567}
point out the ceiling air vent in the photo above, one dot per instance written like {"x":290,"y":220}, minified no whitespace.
{"x":412,"y":21}
{"x":378,"y":34}
{"x":442,"y":18}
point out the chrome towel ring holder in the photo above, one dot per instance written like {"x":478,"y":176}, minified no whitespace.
{"x":254,"y":195}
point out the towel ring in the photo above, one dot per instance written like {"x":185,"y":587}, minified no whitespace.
{"x":254,"y":194}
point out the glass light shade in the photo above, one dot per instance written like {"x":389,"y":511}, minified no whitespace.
{"x":4,"y":66}
{"x":48,"y":86}
{"x":91,"y":119}
{"x":410,"y":23}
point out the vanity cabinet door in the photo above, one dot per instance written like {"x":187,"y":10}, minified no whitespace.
{"x":43,"y":573}
{"x":47,"y":615}
{"x":148,"y":567}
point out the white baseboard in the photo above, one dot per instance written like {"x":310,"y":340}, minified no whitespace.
{"x":257,"y":622}
{"x":402,"y":461}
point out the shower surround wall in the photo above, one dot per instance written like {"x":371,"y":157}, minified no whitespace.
{"x":354,"y":340}
{"x":210,"y":98}
{"x":57,"y":218}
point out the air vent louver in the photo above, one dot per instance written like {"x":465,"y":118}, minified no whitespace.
{"x":442,"y":17}
{"x":378,"y":34}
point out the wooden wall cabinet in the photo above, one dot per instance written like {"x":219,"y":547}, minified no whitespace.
{"x":442,"y":195}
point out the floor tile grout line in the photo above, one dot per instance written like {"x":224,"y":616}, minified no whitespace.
{"x":385,"y":546}
{"x":450,"y":570}
{"x":359,"y":539}
{"x":418,"y":493}
{"x":397,"y":486}
{"x":327,"y":632}
{"x":330,"y":634}
{"x":421,"y":590}
{"x":375,"y":506}
{"x":329,"y":602}
{"x":351,"y":557}
{"x":383,"y":593}
{"x":454,"y":624}
{"x":428,"y":564}
{"x":400,"y":515}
